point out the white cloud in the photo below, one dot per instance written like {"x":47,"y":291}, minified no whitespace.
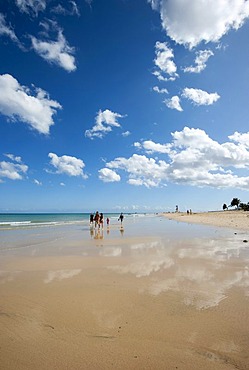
{"x":67,"y":165}
{"x":160,"y":91}
{"x":137,"y":145}
{"x":137,"y":182}
{"x":6,"y":30}
{"x":57,"y":52}
{"x":32,"y":7}
{"x":107,"y":175}
{"x":17,"y":104}
{"x":13,"y":158}
{"x":174,"y":103}
{"x":240,"y":138}
{"x":73,"y":9}
{"x":194,"y":148}
{"x":12,"y":171}
{"x":126,"y":133}
{"x":141,"y":170}
{"x":154,"y":4}
{"x":200,"y":61}
{"x":164,"y":62}
{"x":37,"y":182}
{"x":189,"y":137}
{"x":160,"y":77}
{"x":62,"y":184}
{"x":151,"y":147}
{"x":200,"y":97}
{"x":192,"y":158}
{"x":190,"y":22}
{"x":104,"y":122}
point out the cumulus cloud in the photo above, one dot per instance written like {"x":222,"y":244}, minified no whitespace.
{"x":174,"y":103}
{"x":189,"y":22}
{"x":160,"y":91}
{"x":126,"y":133}
{"x":104,"y":122}
{"x":164,"y":62}
{"x":32,"y":7}
{"x":201,"y":59}
{"x":12,"y":171}
{"x":17,"y":103}
{"x":150,"y":147}
{"x":107,"y":175}
{"x":200,"y":97}
{"x":242,"y":139}
{"x":67,"y":165}
{"x":56,"y":52}
{"x":141,"y":170}
{"x":192,"y":158}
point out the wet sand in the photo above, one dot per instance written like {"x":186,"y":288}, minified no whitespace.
{"x":121,"y":301}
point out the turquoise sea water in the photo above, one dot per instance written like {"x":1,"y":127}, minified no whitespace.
{"x":30,"y":220}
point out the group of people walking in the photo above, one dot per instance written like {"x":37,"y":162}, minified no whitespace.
{"x":97,"y":219}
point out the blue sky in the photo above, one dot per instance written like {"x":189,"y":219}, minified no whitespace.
{"x":123,"y":105}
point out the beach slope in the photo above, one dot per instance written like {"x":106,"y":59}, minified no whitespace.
{"x":231,"y":219}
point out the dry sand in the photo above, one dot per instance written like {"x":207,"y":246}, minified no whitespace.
{"x":231,"y":219}
{"x":132,"y":304}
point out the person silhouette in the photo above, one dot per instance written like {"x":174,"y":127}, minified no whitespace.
{"x":121,"y":217}
{"x":96,"y":219}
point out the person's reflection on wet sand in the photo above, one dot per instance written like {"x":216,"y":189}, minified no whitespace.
{"x":98,"y":234}
{"x":91,"y":232}
{"x":122,"y":231}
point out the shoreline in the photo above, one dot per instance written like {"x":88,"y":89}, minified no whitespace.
{"x":234,"y":219}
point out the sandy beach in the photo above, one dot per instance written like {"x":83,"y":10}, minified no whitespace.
{"x":231,"y":219}
{"x":123,"y":299}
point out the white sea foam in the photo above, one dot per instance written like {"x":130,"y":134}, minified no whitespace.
{"x":15,"y":223}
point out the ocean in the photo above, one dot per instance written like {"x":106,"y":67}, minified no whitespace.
{"x":32,"y":220}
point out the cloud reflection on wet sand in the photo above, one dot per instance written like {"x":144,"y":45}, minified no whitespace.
{"x":61,"y":275}
{"x":202,"y":271}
